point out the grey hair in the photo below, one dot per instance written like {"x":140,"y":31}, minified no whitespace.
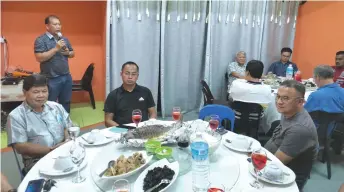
{"x":299,"y":87}
{"x":241,"y":52}
{"x":323,"y":72}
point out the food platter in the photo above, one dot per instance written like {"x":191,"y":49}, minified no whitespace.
{"x":147,"y":158}
{"x":139,"y":183}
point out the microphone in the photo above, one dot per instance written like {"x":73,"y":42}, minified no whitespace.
{"x":59,"y":37}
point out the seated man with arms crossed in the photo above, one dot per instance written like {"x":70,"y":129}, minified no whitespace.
{"x":279,"y":68}
{"x":37,"y":126}
{"x":122,"y":101}
{"x":294,"y":142}
{"x":329,"y":98}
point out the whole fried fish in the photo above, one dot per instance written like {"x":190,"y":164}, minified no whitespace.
{"x":151,"y":131}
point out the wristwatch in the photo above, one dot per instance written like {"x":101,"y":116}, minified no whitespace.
{"x":12,"y":190}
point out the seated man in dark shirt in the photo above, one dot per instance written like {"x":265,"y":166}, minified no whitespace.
{"x":279,"y":68}
{"x":294,"y":142}
{"x":339,"y":69}
{"x":122,"y":101}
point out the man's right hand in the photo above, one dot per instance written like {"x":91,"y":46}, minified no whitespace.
{"x":60,"y":44}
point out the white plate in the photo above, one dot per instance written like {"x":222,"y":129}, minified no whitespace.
{"x":255,"y":144}
{"x":138,"y":186}
{"x":144,"y":155}
{"x":97,"y":143}
{"x":286,"y":180}
{"x":50,"y":171}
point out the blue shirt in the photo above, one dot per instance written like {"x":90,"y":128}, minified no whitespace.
{"x":57,"y":65}
{"x":328,"y":98}
{"x":279,"y":69}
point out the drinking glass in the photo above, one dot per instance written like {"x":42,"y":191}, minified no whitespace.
{"x":73,"y":131}
{"x":214,"y":122}
{"x":78,"y":153}
{"x":136,"y":116}
{"x":176,"y":113}
{"x":121,"y":185}
{"x":216,"y":187}
{"x":259,"y":159}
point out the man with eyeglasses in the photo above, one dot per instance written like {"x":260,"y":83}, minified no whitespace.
{"x":122,"y":101}
{"x":296,"y":134}
{"x":279,"y":68}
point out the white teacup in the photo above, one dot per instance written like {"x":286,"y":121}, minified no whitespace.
{"x":63,"y":162}
{"x":95,"y":136}
{"x":241,"y":142}
{"x":273,"y":172}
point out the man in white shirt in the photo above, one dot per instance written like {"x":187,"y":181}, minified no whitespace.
{"x":251,"y":89}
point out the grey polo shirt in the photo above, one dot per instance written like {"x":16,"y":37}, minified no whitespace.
{"x":45,"y":128}
{"x":57,"y":65}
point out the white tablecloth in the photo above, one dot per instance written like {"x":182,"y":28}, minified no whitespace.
{"x":271,"y":114}
{"x":65,"y":184}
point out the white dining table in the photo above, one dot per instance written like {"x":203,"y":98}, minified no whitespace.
{"x":225,"y":161}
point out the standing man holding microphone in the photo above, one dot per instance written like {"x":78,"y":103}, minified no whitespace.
{"x":52,"y":51}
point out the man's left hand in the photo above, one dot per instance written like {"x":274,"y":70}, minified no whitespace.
{"x":65,"y":52}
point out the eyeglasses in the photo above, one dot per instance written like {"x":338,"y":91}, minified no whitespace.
{"x":286,"y":98}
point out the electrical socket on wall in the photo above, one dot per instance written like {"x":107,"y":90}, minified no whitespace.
{"x":2,"y":40}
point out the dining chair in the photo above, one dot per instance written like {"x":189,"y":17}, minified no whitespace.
{"x":224,"y":113}
{"x":301,"y":166}
{"x":20,"y":169}
{"x":208,"y":96}
{"x":247,"y":117}
{"x":324,"y":119}
{"x":85,"y":84}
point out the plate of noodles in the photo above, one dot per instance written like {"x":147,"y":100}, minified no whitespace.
{"x":125,"y":165}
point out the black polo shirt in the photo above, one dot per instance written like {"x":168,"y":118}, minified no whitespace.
{"x":121,"y":103}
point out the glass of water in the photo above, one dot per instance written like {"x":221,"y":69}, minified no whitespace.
{"x":73,"y":131}
{"x":78,"y":153}
{"x":121,"y":185}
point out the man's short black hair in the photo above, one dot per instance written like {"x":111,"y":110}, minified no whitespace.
{"x":286,"y":49}
{"x":47,"y":19}
{"x":35,"y":80}
{"x":340,"y":53}
{"x":299,"y":87}
{"x":130,"y":63}
{"x":255,"y":68}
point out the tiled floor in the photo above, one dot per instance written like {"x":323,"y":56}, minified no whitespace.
{"x":317,"y":183}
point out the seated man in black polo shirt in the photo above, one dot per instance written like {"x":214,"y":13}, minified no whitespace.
{"x":122,"y":101}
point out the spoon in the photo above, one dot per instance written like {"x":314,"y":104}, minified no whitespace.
{"x":87,"y":141}
{"x":110,"y":164}
{"x":161,"y":182}
{"x":67,"y":169}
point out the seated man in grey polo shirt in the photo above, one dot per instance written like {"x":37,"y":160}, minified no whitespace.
{"x":294,"y":142}
{"x":37,"y":126}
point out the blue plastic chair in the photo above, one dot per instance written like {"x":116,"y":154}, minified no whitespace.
{"x":222,"y":111}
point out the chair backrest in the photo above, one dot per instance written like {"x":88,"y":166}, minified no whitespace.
{"x":86,"y":81}
{"x":222,"y":111}
{"x":247,"y":117}
{"x":18,"y":163}
{"x":324,"y":119}
{"x":207,"y":95}
{"x":302,"y":167}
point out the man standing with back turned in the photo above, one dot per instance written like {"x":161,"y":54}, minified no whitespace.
{"x":52,"y":51}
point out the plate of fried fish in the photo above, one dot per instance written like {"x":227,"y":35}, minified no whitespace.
{"x":125,"y":165}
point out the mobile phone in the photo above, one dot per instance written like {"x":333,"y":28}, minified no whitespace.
{"x":35,"y":185}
